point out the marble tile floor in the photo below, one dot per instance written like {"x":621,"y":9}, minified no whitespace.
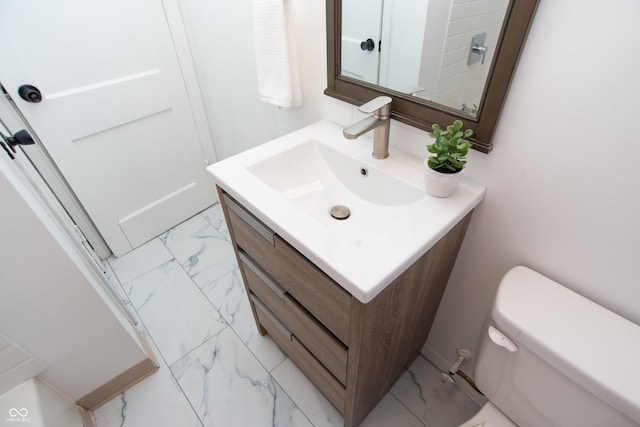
{"x":185,"y":290}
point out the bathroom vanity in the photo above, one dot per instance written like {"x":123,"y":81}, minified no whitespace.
{"x":350,"y":306}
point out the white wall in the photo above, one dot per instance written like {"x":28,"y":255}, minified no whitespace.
{"x":222,"y":41}
{"x":562,"y":183}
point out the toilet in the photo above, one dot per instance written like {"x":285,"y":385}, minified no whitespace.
{"x":550,"y":357}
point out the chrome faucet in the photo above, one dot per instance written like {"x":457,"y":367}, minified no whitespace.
{"x":380,"y":121}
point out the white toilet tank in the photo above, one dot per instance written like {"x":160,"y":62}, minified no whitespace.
{"x":557,"y":358}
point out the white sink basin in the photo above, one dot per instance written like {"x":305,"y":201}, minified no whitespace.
{"x":291,"y":184}
{"x":317,"y":177}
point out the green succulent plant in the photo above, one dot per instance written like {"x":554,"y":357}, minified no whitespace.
{"x":449,"y":148}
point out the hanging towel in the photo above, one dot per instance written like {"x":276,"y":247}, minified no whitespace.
{"x":278,"y":77}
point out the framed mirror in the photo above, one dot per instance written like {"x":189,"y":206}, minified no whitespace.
{"x":439,"y":60}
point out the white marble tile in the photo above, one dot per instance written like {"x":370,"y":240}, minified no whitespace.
{"x":140,"y":260}
{"x":225,"y":381}
{"x":228,"y":296}
{"x":227,"y":386}
{"x":215,"y":217}
{"x":174,"y":310}
{"x":155,"y":401}
{"x":200,"y":249}
{"x":389,"y":412}
{"x":435,"y":402}
{"x":115,"y":283}
{"x":110,"y":275}
{"x":308,"y":398}
{"x":117,"y":288}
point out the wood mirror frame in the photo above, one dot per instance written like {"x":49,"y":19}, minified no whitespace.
{"x":420,"y":112}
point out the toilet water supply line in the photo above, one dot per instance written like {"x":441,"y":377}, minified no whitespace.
{"x":463,"y":354}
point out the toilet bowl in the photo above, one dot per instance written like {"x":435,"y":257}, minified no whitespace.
{"x":547,"y":357}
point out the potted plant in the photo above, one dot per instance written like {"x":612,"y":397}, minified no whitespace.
{"x":444,"y":169}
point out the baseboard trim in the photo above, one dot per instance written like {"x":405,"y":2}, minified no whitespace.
{"x":443,"y":365}
{"x":87,"y":418}
{"x":117,"y":385}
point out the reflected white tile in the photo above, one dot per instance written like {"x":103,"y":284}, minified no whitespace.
{"x":215,"y":217}
{"x":155,"y":401}
{"x":140,"y":260}
{"x":174,"y":310}
{"x":201,"y":250}
{"x":229,"y":297}
{"x":435,"y":402}
{"x":228,"y":387}
{"x":308,"y":398}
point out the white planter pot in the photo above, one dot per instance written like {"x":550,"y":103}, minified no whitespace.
{"x":440,"y":184}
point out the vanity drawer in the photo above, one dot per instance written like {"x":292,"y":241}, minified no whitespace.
{"x":315,"y":337}
{"x":311,"y":287}
{"x":308,"y":364}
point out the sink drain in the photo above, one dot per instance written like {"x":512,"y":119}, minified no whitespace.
{"x":340,"y":212}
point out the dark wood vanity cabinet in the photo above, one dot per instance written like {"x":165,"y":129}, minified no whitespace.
{"x":352,"y":352}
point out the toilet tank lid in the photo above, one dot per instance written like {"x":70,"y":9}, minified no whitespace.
{"x":591,"y":345}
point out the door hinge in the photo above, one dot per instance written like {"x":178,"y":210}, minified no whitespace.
{"x":6,"y":94}
{"x":6,"y":149}
{"x":85,"y":243}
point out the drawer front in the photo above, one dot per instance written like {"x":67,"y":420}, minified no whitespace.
{"x":249,"y":219}
{"x":312,"y":288}
{"x":315,"y":337}
{"x":312,"y":368}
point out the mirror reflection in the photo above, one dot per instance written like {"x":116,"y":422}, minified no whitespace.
{"x":438,"y":50}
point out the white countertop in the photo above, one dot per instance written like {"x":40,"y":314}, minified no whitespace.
{"x":366,"y":266}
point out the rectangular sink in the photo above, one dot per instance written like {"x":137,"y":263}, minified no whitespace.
{"x":318,"y":178}
{"x":293,"y":182}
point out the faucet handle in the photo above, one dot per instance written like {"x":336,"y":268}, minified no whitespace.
{"x":377,"y":104}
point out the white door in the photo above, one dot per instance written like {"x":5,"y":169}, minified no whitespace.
{"x":361,"y":32}
{"x":36,"y":165}
{"x":15,"y":164}
{"x":115,"y":116}
{"x":403,"y":25}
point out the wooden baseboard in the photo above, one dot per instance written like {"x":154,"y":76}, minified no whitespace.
{"x":87,"y":418}
{"x":117,"y":385}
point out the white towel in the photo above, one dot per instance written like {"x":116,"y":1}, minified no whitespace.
{"x":278,"y":76}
